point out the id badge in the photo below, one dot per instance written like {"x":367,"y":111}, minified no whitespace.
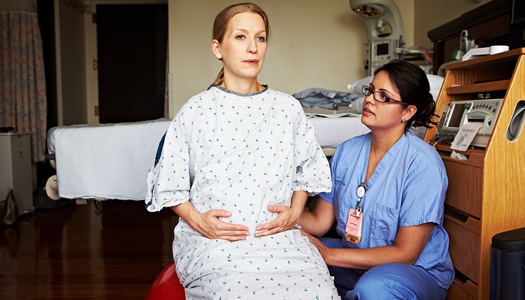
{"x":353,"y":226}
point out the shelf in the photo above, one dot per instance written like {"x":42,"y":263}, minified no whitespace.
{"x":477,"y":185}
{"x":479,"y":87}
{"x":499,"y":61}
{"x":475,"y":155}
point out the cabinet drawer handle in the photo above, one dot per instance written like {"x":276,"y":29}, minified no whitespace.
{"x":468,"y":286}
{"x":467,"y":222}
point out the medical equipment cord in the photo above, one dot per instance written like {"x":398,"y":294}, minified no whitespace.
{"x":440,"y":138}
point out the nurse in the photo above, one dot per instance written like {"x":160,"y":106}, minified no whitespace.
{"x":387,"y":198}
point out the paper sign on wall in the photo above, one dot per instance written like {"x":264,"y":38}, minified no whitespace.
{"x":465,"y":136}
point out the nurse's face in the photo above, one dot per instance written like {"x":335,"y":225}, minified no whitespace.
{"x":383,"y":116}
{"x":243,"y":47}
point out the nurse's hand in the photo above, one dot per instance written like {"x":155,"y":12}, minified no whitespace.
{"x":208,"y":223}
{"x":316,"y":242}
{"x":286,"y":220}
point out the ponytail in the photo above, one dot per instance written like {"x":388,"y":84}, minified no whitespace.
{"x":219,"y":79}
{"x":424,"y":118}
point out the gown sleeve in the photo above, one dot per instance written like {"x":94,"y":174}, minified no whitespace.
{"x":313,"y":172}
{"x":169,"y":181}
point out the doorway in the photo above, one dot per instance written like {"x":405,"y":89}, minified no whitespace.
{"x":131,"y":47}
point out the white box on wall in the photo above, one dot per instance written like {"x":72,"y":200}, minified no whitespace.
{"x":15,"y":169}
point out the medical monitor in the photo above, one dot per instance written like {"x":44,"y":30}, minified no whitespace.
{"x":382,"y":49}
{"x":456,"y":115}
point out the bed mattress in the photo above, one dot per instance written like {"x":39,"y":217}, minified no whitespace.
{"x":105,"y":160}
{"x":331,"y":132}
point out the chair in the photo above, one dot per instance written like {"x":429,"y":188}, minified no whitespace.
{"x":166,"y":286}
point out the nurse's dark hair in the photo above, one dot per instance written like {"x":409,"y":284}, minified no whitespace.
{"x":413,"y":86}
{"x":222,"y":20}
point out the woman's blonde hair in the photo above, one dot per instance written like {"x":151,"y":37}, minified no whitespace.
{"x":223,"y":20}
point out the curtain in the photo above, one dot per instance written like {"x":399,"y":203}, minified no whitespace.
{"x":22,"y":83}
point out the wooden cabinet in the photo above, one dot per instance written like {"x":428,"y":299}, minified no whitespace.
{"x":486,"y":192}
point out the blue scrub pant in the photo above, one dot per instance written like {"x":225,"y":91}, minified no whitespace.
{"x":388,"y":281}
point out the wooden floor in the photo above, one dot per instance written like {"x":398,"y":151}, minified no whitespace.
{"x":72,"y":253}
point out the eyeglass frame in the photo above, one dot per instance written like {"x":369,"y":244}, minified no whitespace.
{"x":367,"y":90}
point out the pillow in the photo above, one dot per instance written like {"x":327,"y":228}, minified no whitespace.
{"x":357,"y":87}
{"x":435,"y":85}
{"x":434,"y":80}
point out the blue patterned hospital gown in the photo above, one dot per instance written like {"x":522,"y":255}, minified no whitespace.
{"x":242,"y":153}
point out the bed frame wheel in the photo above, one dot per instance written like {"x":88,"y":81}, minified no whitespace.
{"x":98,"y":211}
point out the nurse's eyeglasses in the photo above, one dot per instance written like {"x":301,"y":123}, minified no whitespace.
{"x":380,"y":96}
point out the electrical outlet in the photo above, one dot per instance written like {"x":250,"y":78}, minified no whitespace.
{"x":20,"y":153}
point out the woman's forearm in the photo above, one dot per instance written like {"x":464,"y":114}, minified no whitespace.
{"x":298,"y":201}
{"x":186,"y":210}
{"x":320,"y":220}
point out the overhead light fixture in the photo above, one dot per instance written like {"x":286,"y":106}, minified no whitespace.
{"x":385,"y":30}
{"x":369,"y":10}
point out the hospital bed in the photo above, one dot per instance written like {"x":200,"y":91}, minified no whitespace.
{"x":103,"y":161}
{"x":111,"y":161}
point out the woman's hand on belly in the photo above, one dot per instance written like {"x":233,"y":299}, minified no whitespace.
{"x":208,"y":223}
{"x":288,"y":216}
{"x":285,"y":221}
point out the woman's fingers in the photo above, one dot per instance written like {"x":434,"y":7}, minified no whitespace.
{"x":281,"y":223}
{"x":217,"y":229}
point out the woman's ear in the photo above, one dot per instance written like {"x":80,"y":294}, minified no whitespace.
{"x":409,"y":112}
{"x":215,"y":48}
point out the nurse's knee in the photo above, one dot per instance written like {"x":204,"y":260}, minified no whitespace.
{"x":380,"y":283}
{"x":371,"y":281}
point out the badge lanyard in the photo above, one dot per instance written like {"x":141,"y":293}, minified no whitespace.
{"x":355,"y":220}
{"x":361,"y":191}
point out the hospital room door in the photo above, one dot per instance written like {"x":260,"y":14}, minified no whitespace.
{"x":131,"y":50}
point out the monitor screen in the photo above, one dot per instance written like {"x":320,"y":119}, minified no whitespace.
{"x":517,"y":15}
{"x":457,"y":115}
{"x":382,"y":49}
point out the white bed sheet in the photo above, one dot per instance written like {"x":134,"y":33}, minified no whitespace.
{"x":105,"y":160}
{"x":112,"y":160}
{"x":331,"y":132}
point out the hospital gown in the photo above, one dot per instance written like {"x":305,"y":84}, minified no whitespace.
{"x":242,"y":153}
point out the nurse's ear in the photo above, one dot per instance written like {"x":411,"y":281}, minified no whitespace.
{"x":216,"y":49}
{"x":408,"y":113}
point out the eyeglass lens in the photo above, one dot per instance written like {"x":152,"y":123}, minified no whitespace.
{"x":381,"y":97}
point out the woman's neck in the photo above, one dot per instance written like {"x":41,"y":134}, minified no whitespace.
{"x":243,"y":87}
{"x":382,"y":141}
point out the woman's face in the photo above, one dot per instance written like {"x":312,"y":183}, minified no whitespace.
{"x":383,"y":116}
{"x":243,"y":47}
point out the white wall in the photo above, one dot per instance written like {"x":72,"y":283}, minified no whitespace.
{"x":313,"y":43}
{"x":432,"y":14}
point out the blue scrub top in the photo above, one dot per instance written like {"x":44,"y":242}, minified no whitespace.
{"x":407,"y":188}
